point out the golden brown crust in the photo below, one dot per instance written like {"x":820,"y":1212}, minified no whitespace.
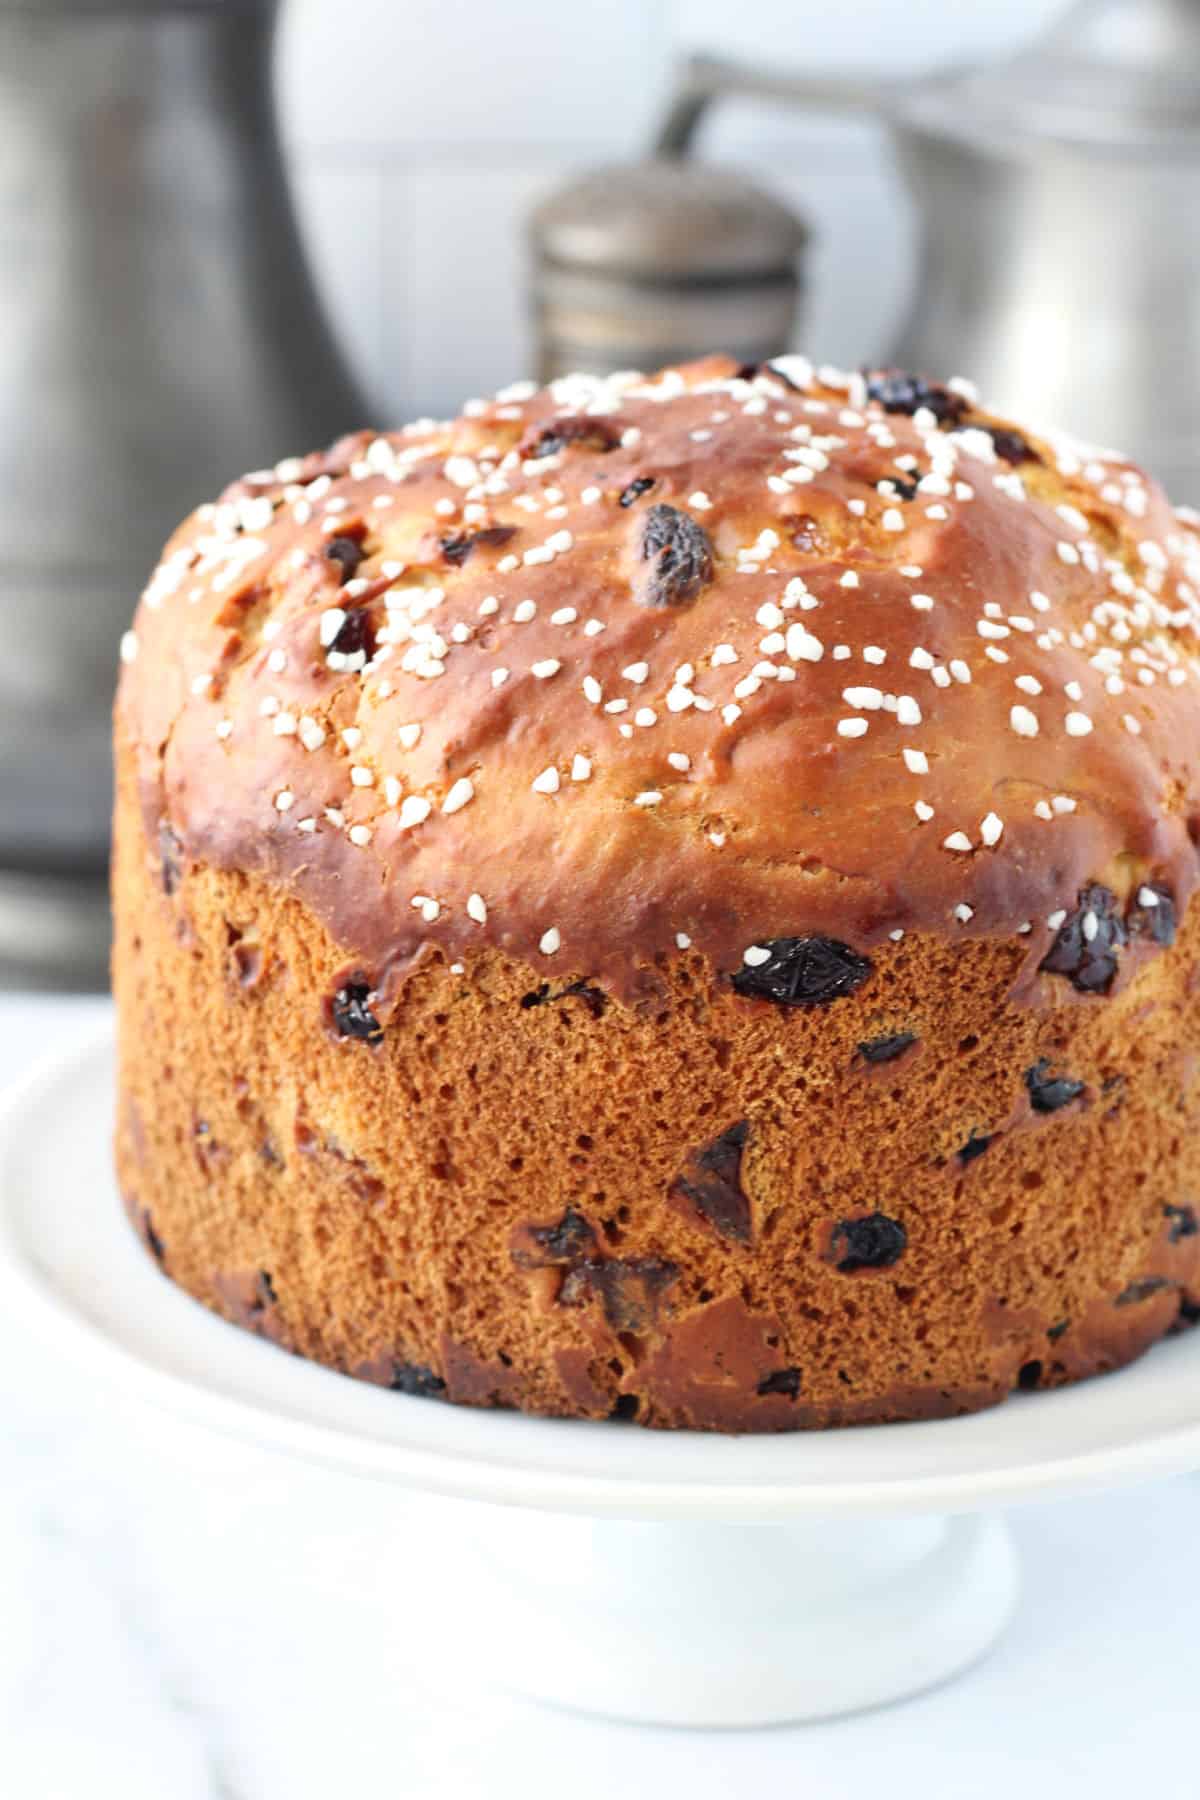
{"x":598,"y":1172}
{"x":771,"y":821}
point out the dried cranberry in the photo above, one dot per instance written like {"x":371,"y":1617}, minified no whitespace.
{"x":355,"y":635}
{"x":974,"y":1147}
{"x":871,"y":1242}
{"x":457,"y":549}
{"x":1047,"y":1093}
{"x":1183,"y":1223}
{"x":352,"y":1017}
{"x":887,"y":1049}
{"x":1086,"y":947}
{"x":899,"y":392}
{"x":1138,"y":1291}
{"x":711,"y":1180}
{"x":635,"y":490}
{"x":347,"y":552}
{"x":415,"y":1378}
{"x":804,"y":972}
{"x":780,"y":1381}
{"x":1156,"y":920}
{"x":590,"y":433}
{"x":680,"y":557}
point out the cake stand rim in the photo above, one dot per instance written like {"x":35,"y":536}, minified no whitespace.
{"x":461,"y":1453}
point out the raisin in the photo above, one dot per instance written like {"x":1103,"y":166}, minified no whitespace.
{"x":1184,"y":1223}
{"x":1156,"y":920}
{"x":352,"y":1017}
{"x":594,"y":998}
{"x":1086,"y":947}
{"x":898,"y":392}
{"x":266,"y":1290}
{"x":154,"y":1243}
{"x":457,"y":549}
{"x":1029,"y":1376}
{"x":1010,"y":446}
{"x":355,"y":636}
{"x":635,"y":490}
{"x":570,"y":1241}
{"x":1047,"y":1093}
{"x":804,"y":972}
{"x":711,"y":1180}
{"x":625,"y":1406}
{"x":887,"y":1049}
{"x":628,"y":1291}
{"x":904,"y":490}
{"x":974,"y":1147}
{"x":415,"y":1378}
{"x":1055,"y":1331}
{"x":1141,"y":1290}
{"x":1189,"y":1314}
{"x":748,"y":370}
{"x":590,"y":433}
{"x":680,"y":557}
{"x":780,"y":1381}
{"x":346,"y":552}
{"x":871,"y":1242}
{"x":170,"y":858}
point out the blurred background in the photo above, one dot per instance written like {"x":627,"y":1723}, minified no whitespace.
{"x":232,"y":229}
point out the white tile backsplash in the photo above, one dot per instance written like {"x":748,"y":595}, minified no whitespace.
{"x":423,"y":131}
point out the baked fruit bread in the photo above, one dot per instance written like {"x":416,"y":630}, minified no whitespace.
{"x":668,"y":898}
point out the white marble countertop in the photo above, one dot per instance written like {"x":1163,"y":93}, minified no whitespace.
{"x":179,"y":1622}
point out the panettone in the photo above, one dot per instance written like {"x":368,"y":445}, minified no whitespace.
{"x":668,"y":898}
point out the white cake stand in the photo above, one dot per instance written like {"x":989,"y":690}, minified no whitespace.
{"x":669,"y":1577}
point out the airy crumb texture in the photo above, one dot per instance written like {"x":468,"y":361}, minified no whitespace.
{"x":669,"y":899}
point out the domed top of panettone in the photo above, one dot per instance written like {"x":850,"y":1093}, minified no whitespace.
{"x":721,"y":660}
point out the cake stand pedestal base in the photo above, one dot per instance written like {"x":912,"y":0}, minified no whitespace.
{"x":720,"y":1624}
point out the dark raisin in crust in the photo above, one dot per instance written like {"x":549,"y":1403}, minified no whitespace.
{"x":1156,"y":921}
{"x":1183,"y":1223}
{"x":871,"y":1242}
{"x":1087,"y":946}
{"x":780,"y":1381}
{"x":570,"y":1241}
{"x":352,"y":1017}
{"x":975,"y":1146}
{"x":415,"y":1378}
{"x":1047,"y":1093}
{"x":456,"y":550}
{"x":804,"y":972}
{"x":594,"y":998}
{"x":639,"y":486}
{"x":679,"y":554}
{"x":1137,"y":1291}
{"x":355,"y":635}
{"x":899,"y":392}
{"x":712,"y":1181}
{"x":346,"y":552}
{"x":588,"y":433}
{"x":887,"y":1049}
{"x":629,"y":1292}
